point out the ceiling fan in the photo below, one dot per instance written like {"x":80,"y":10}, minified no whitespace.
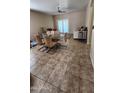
{"x":60,"y":11}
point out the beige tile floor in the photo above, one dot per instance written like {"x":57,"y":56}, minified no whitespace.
{"x":67,"y":70}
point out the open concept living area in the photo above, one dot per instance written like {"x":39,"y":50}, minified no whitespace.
{"x":61,"y":46}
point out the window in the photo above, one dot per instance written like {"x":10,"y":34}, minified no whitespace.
{"x":63,"y":25}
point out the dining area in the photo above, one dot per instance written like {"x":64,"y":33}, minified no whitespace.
{"x":50,"y":39}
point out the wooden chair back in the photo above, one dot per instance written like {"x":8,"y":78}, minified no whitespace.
{"x":38,"y":39}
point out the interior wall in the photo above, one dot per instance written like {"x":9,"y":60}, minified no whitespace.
{"x":89,"y":21}
{"x":76,"y":19}
{"x":92,"y":48}
{"x":37,"y":20}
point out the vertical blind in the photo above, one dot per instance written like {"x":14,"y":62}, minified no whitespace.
{"x":63,"y":25}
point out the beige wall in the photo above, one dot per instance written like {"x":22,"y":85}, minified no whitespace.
{"x":76,"y":19}
{"x":89,"y":21}
{"x":37,"y":20}
{"x":92,"y":48}
{"x":89,"y":24}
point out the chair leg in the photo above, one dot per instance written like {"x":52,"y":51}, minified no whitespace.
{"x":41,"y":48}
{"x":45,"y":49}
{"x":48,"y":50}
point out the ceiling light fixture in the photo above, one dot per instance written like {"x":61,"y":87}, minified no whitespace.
{"x":61,"y":4}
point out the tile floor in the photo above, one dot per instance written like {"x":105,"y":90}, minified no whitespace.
{"x":68,"y":70}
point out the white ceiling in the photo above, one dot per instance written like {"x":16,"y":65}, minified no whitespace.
{"x":50,"y":6}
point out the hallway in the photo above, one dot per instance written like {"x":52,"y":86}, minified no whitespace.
{"x":68,"y":70}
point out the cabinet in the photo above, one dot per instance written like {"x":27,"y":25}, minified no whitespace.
{"x":77,"y":35}
{"x":80,"y":34}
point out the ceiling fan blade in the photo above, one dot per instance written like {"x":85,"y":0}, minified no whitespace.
{"x":63,"y":11}
{"x":60,"y":11}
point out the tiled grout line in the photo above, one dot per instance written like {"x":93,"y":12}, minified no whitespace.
{"x":52,"y":71}
{"x":48,"y":83}
{"x":64,"y":74}
{"x":45,"y":81}
{"x":77,"y":76}
{"x":55,"y":86}
{"x":51,"y":83}
{"x":40,"y":64}
{"x":39,"y":79}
